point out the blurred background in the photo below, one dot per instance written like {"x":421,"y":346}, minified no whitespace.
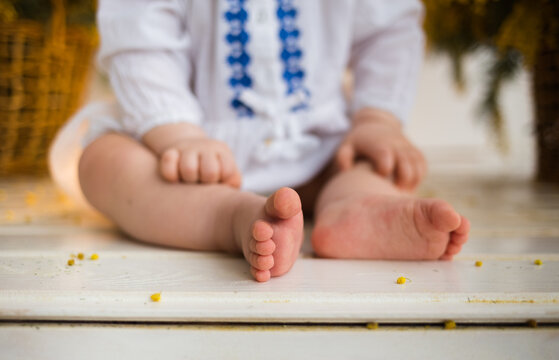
{"x":447,"y":125}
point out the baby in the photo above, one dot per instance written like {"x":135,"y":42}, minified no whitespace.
{"x":221,"y":101}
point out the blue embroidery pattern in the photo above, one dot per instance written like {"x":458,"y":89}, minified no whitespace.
{"x":291,"y":54}
{"x":238,"y":58}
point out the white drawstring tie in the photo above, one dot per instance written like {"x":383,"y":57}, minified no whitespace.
{"x":286,"y":140}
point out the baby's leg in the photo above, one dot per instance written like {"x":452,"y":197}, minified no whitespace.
{"x":120,"y":177}
{"x":362,"y":215}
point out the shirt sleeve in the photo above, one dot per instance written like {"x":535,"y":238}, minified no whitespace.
{"x":145,"y":51}
{"x":386,"y":54}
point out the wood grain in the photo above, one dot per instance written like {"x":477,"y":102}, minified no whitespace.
{"x":37,"y":284}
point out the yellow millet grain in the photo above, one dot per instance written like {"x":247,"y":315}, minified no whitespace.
{"x":449,"y":325}
{"x":70,"y":262}
{"x":401,"y":280}
{"x":94,"y":256}
{"x":537,"y":262}
{"x":155,"y":297}
{"x":81,"y":256}
{"x":9,"y":215}
{"x":479,"y":263}
{"x":30,"y":198}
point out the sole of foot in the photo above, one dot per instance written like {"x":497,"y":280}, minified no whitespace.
{"x":389,"y":228}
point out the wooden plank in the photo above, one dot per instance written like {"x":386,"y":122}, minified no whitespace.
{"x":500,"y":206}
{"x":36,"y":283}
{"x":45,"y":341}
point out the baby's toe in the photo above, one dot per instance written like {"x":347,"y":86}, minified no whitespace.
{"x":261,"y":262}
{"x":262,"y":231}
{"x":283,"y":204}
{"x":453,"y":249}
{"x":460,"y":235}
{"x":260,"y":275}
{"x":442,"y":215}
{"x":446,"y":257}
{"x":263,"y":247}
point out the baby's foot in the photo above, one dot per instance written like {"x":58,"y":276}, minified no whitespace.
{"x":271,"y":237}
{"x":389,"y":227}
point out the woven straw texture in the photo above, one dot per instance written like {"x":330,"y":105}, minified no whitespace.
{"x":43,"y":70}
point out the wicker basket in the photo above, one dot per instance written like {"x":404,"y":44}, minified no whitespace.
{"x":43,"y":70}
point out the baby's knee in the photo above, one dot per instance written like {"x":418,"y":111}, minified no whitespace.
{"x":106,"y":158}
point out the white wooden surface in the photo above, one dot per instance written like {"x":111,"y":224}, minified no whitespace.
{"x":513,"y":224}
{"x":46,"y":341}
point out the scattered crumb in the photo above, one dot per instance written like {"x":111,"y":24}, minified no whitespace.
{"x":94,"y":256}
{"x":401,"y":280}
{"x":479,"y":263}
{"x":449,"y":325}
{"x":70,"y":262}
{"x":9,"y":215}
{"x":81,"y":256}
{"x":72,"y":255}
{"x":155,"y":297}
{"x":537,"y":262}
{"x":30,"y":198}
{"x":372,"y":326}
{"x":532,"y":323}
